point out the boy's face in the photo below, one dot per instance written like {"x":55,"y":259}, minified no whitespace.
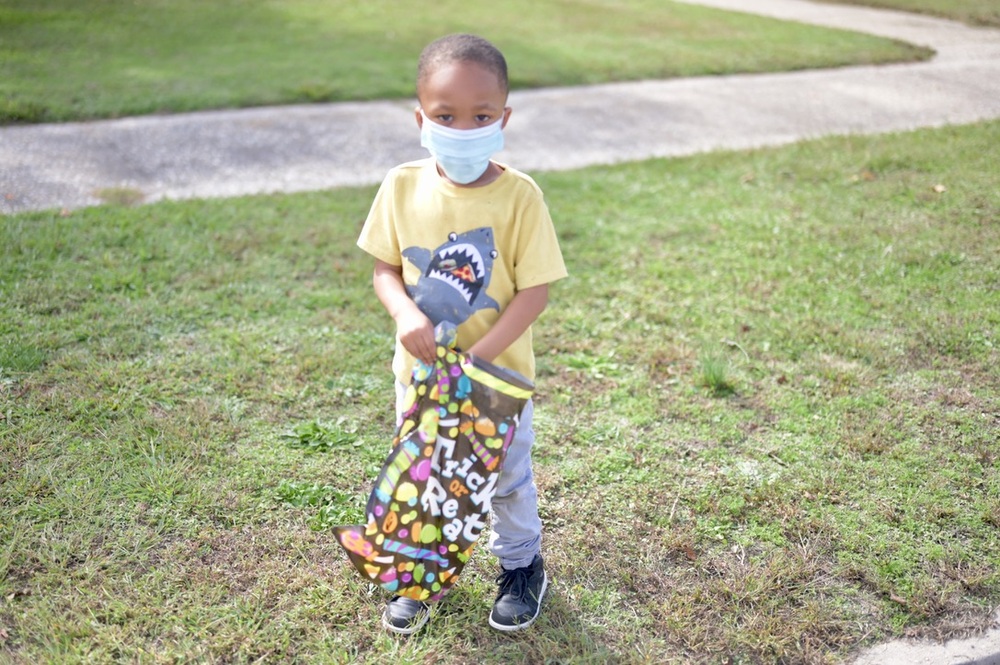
{"x":462,"y":95}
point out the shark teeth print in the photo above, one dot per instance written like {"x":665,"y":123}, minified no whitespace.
{"x":467,"y":254}
{"x":449,"y":263}
{"x":454,"y":283}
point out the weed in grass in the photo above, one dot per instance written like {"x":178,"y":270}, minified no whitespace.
{"x":599,"y":367}
{"x":336,"y":507}
{"x":714,"y":374}
{"x":317,"y":437}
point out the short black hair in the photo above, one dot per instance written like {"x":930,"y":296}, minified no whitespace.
{"x":462,"y":48}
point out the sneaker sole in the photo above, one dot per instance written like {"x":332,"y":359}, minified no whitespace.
{"x":524,"y":624}
{"x":409,"y":630}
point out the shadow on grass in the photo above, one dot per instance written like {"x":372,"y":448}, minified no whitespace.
{"x":557,"y":636}
{"x":561,"y":637}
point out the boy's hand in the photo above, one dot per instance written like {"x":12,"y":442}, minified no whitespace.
{"x":414,"y":329}
{"x":416,"y":334}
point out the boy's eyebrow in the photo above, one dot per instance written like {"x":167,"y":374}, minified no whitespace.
{"x":484,"y":106}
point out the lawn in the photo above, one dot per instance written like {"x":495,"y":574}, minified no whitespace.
{"x":767,"y":414}
{"x":67,"y":60}
{"x":974,"y":12}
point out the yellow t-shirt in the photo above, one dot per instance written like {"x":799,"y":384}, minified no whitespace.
{"x":465,"y":251}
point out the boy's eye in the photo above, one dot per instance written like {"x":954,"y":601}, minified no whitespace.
{"x":483,"y":118}
{"x":445,"y":118}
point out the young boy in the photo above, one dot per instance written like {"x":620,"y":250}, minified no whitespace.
{"x":458,"y":237}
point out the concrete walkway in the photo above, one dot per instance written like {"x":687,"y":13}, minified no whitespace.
{"x":977,"y":650}
{"x":298,"y":148}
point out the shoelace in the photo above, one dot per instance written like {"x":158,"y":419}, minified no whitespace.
{"x":514,"y":582}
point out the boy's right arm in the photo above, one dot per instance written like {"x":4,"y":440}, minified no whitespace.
{"x":414,"y":329}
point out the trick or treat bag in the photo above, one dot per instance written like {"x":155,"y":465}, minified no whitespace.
{"x":431,"y":499}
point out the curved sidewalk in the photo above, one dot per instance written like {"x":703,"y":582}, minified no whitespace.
{"x":298,"y":148}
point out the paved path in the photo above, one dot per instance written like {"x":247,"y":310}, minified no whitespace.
{"x":297,"y":148}
{"x":977,"y":650}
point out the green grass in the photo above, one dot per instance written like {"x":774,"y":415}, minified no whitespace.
{"x":66,"y":59}
{"x":974,"y":12}
{"x":191,"y":393}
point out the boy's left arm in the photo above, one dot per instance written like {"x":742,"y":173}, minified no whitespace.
{"x":517,"y":317}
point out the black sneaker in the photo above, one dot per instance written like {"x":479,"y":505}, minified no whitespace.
{"x":405,"y":616}
{"x":520,"y":597}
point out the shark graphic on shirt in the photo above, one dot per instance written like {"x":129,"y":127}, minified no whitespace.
{"x":454,"y":276}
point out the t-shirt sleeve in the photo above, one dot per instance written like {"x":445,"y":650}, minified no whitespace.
{"x":539,"y":259}
{"x":378,"y":235}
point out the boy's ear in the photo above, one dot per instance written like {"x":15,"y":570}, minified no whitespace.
{"x":506,"y":115}
{"x":420,"y":118}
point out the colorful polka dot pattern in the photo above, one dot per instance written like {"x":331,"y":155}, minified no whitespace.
{"x":429,"y":503}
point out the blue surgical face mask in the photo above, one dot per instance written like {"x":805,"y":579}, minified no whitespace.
{"x":463,"y":154}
